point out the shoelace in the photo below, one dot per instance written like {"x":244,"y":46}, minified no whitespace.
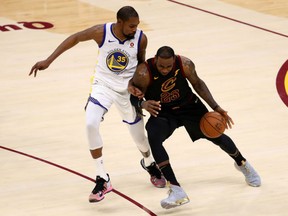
{"x":244,"y":164}
{"x":247,"y":169}
{"x":100,"y":185}
{"x":152,"y":169}
{"x":168,"y":184}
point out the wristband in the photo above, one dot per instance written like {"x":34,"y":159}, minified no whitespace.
{"x":139,"y":104}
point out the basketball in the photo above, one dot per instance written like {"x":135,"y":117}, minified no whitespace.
{"x":212,"y":124}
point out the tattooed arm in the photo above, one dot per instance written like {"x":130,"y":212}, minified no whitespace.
{"x":201,"y":88}
{"x":137,"y":87}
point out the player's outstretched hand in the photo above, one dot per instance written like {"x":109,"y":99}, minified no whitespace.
{"x":41,"y":65}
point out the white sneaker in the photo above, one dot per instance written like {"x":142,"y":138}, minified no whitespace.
{"x":251,"y":176}
{"x":177,"y":197}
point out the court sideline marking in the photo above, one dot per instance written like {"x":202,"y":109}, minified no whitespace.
{"x":225,"y":17}
{"x":81,"y":175}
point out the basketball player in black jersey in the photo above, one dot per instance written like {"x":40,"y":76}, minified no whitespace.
{"x":160,"y":86}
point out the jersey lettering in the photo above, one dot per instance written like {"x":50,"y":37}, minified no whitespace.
{"x":167,"y":97}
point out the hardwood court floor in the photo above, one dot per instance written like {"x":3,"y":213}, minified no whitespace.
{"x":44,"y":116}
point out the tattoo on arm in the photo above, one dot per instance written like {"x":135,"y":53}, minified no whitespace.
{"x":189,"y":70}
{"x":198,"y":84}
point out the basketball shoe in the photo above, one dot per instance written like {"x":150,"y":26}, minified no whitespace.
{"x":177,"y":197}
{"x":156,"y":177}
{"x":251,"y":176}
{"x":102,"y":187}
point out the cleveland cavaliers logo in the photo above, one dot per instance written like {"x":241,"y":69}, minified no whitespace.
{"x":169,"y":94}
{"x":282,"y":83}
{"x":117,"y":61}
{"x":170,"y":83}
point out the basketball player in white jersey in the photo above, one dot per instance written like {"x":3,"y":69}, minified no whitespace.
{"x":121,"y":48}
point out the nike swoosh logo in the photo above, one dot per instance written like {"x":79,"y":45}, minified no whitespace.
{"x":111,"y":41}
{"x":155,"y":78}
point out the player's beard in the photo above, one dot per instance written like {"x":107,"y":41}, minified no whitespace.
{"x":129,"y":37}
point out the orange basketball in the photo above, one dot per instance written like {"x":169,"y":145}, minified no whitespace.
{"x":212,"y":124}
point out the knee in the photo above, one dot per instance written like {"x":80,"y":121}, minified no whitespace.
{"x":155,"y":137}
{"x":152,"y":132}
{"x":137,"y":132}
{"x":92,"y":125}
{"x":158,"y":129}
{"x":96,"y":153}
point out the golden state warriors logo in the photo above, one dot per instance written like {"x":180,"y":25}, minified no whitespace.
{"x":117,"y":61}
{"x":282,"y":83}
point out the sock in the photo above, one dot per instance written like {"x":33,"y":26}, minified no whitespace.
{"x":100,"y":170}
{"x":237,"y":156}
{"x":148,"y":160}
{"x":169,"y":174}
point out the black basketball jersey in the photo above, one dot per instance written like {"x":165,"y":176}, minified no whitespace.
{"x":171,"y":90}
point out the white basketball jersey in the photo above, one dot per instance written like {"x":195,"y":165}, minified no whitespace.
{"x":117,"y":60}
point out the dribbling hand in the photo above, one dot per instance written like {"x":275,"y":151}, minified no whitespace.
{"x":229,"y":121}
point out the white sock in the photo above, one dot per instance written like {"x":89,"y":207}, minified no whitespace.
{"x":148,"y":161}
{"x":100,"y":169}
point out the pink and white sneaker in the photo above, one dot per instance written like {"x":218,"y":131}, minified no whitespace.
{"x":156,"y":176}
{"x":102,"y":187}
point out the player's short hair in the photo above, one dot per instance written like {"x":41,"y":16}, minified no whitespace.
{"x":126,"y":12}
{"x":165,"y":52}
